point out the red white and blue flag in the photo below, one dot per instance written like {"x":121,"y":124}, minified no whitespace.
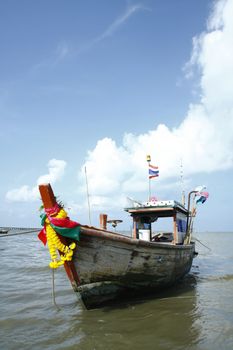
{"x":201,"y":197}
{"x":153,"y":171}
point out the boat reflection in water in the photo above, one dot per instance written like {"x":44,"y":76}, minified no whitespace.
{"x":166,"y":320}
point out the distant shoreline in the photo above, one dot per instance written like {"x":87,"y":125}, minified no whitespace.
{"x":13,"y":228}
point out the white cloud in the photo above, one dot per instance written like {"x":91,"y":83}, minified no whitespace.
{"x":63,"y":50}
{"x":120,"y":21}
{"x":56,"y":171}
{"x":66,"y":49}
{"x":113,"y":27}
{"x":26,"y":194}
{"x":204,"y":140}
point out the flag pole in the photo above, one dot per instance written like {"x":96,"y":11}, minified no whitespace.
{"x":88,"y":201}
{"x":148,"y":158}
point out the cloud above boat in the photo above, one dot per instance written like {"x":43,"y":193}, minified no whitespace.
{"x":113,"y":27}
{"x":204,"y":140}
{"x":66,"y":49}
{"x":26,"y":193}
{"x":130,"y":10}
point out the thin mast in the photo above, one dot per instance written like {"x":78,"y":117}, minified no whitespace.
{"x":182,"y":183}
{"x":148,"y":158}
{"x":88,"y":201}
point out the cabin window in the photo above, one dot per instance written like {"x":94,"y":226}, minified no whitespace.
{"x":144,"y":228}
{"x":144,"y":223}
{"x":162,"y":230}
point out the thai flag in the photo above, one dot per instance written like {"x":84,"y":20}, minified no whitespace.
{"x":153,"y":171}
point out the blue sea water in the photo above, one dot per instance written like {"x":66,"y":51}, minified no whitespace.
{"x":195,"y":314}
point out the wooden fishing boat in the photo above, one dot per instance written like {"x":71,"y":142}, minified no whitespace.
{"x":107,"y":265}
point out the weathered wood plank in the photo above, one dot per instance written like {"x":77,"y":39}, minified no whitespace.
{"x":106,"y":261}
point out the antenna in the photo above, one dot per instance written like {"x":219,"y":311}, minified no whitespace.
{"x":182,"y":182}
{"x":88,"y":201}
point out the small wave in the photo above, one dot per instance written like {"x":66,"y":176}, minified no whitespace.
{"x":217,"y":278}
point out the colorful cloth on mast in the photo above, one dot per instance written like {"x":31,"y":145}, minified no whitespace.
{"x":63,"y":226}
{"x":201,"y":197}
{"x":153,"y":171}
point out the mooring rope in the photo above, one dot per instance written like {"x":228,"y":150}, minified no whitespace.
{"x":18,"y":233}
{"x":202,"y":243}
{"x":53,"y":272}
{"x":53,"y":290}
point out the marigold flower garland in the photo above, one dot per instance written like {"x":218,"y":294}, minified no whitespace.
{"x":55,"y":244}
{"x":56,"y":219}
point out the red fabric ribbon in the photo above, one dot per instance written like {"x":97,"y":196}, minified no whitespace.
{"x":63,"y":222}
{"x":54,"y":210}
{"x":42,"y":236}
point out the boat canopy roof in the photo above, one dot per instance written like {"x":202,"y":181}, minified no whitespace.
{"x":157,"y":208}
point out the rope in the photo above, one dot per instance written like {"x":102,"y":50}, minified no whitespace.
{"x":19,"y":233}
{"x":53,"y":276}
{"x":53,"y":290}
{"x":196,"y":239}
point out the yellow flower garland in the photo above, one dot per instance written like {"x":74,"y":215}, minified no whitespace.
{"x":55,"y":244}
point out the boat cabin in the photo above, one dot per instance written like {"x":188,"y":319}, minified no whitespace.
{"x":145,"y":215}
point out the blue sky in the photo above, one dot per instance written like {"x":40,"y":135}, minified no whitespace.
{"x":103,"y":83}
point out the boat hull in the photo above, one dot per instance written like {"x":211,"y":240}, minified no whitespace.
{"x":111,"y":266}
